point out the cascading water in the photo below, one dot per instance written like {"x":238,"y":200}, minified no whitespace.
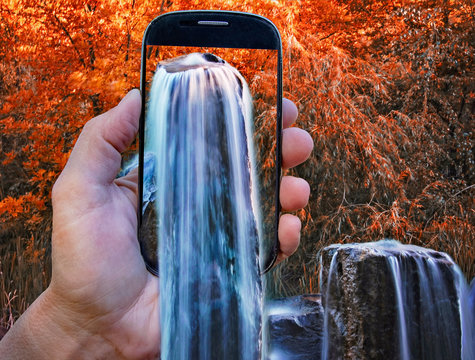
{"x":388,"y":300}
{"x":326,"y":337}
{"x":430,"y":303}
{"x":202,"y":194}
{"x":400,"y":306}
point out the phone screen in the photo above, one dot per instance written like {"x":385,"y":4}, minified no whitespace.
{"x":259,"y":69}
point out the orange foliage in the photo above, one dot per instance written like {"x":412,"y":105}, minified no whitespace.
{"x":385,"y":88}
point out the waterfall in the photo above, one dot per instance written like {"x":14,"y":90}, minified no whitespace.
{"x":400,"y":306}
{"x":430,"y":293}
{"x":326,"y":336}
{"x":198,"y":143}
{"x":467,"y":315}
{"x":397,"y":301}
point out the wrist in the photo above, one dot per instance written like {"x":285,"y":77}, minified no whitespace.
{"x":47,"y":331}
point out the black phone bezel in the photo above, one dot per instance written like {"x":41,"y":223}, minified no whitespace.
{"x":221,"y":29}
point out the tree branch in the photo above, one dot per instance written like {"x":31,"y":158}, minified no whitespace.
{"x":70,"y":39}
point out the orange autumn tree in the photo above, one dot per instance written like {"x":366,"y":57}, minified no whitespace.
{"x":62,"y":62}
{"x":385,"y":88}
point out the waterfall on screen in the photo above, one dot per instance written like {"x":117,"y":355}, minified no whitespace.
{"x":198,"y":138}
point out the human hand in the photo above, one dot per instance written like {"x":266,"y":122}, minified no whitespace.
{"x":102,"y":302}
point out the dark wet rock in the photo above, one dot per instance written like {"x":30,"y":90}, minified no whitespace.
{"x":368,"y":288}
{"x":295,"y":327}
{"x":3,"y":332}
{"x":148,"y":236}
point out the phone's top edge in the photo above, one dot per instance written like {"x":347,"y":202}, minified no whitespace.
{"x":217,"y":12}
{"x":214,"y":13}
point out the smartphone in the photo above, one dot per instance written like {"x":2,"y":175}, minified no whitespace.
{"x":209,"y":175}
{"x":253,"y":45}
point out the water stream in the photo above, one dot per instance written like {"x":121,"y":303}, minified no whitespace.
{"x":430,"y":300}
{"x":326,"y":335}
{"x":198,"y":143}
{"x":400,"y":306}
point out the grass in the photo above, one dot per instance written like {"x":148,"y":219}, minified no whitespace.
{"x":25,"y":271}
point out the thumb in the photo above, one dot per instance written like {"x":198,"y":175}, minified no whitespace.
{"x":96,"y":156}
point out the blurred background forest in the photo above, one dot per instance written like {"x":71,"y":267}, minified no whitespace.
{"x":386,"y":89}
